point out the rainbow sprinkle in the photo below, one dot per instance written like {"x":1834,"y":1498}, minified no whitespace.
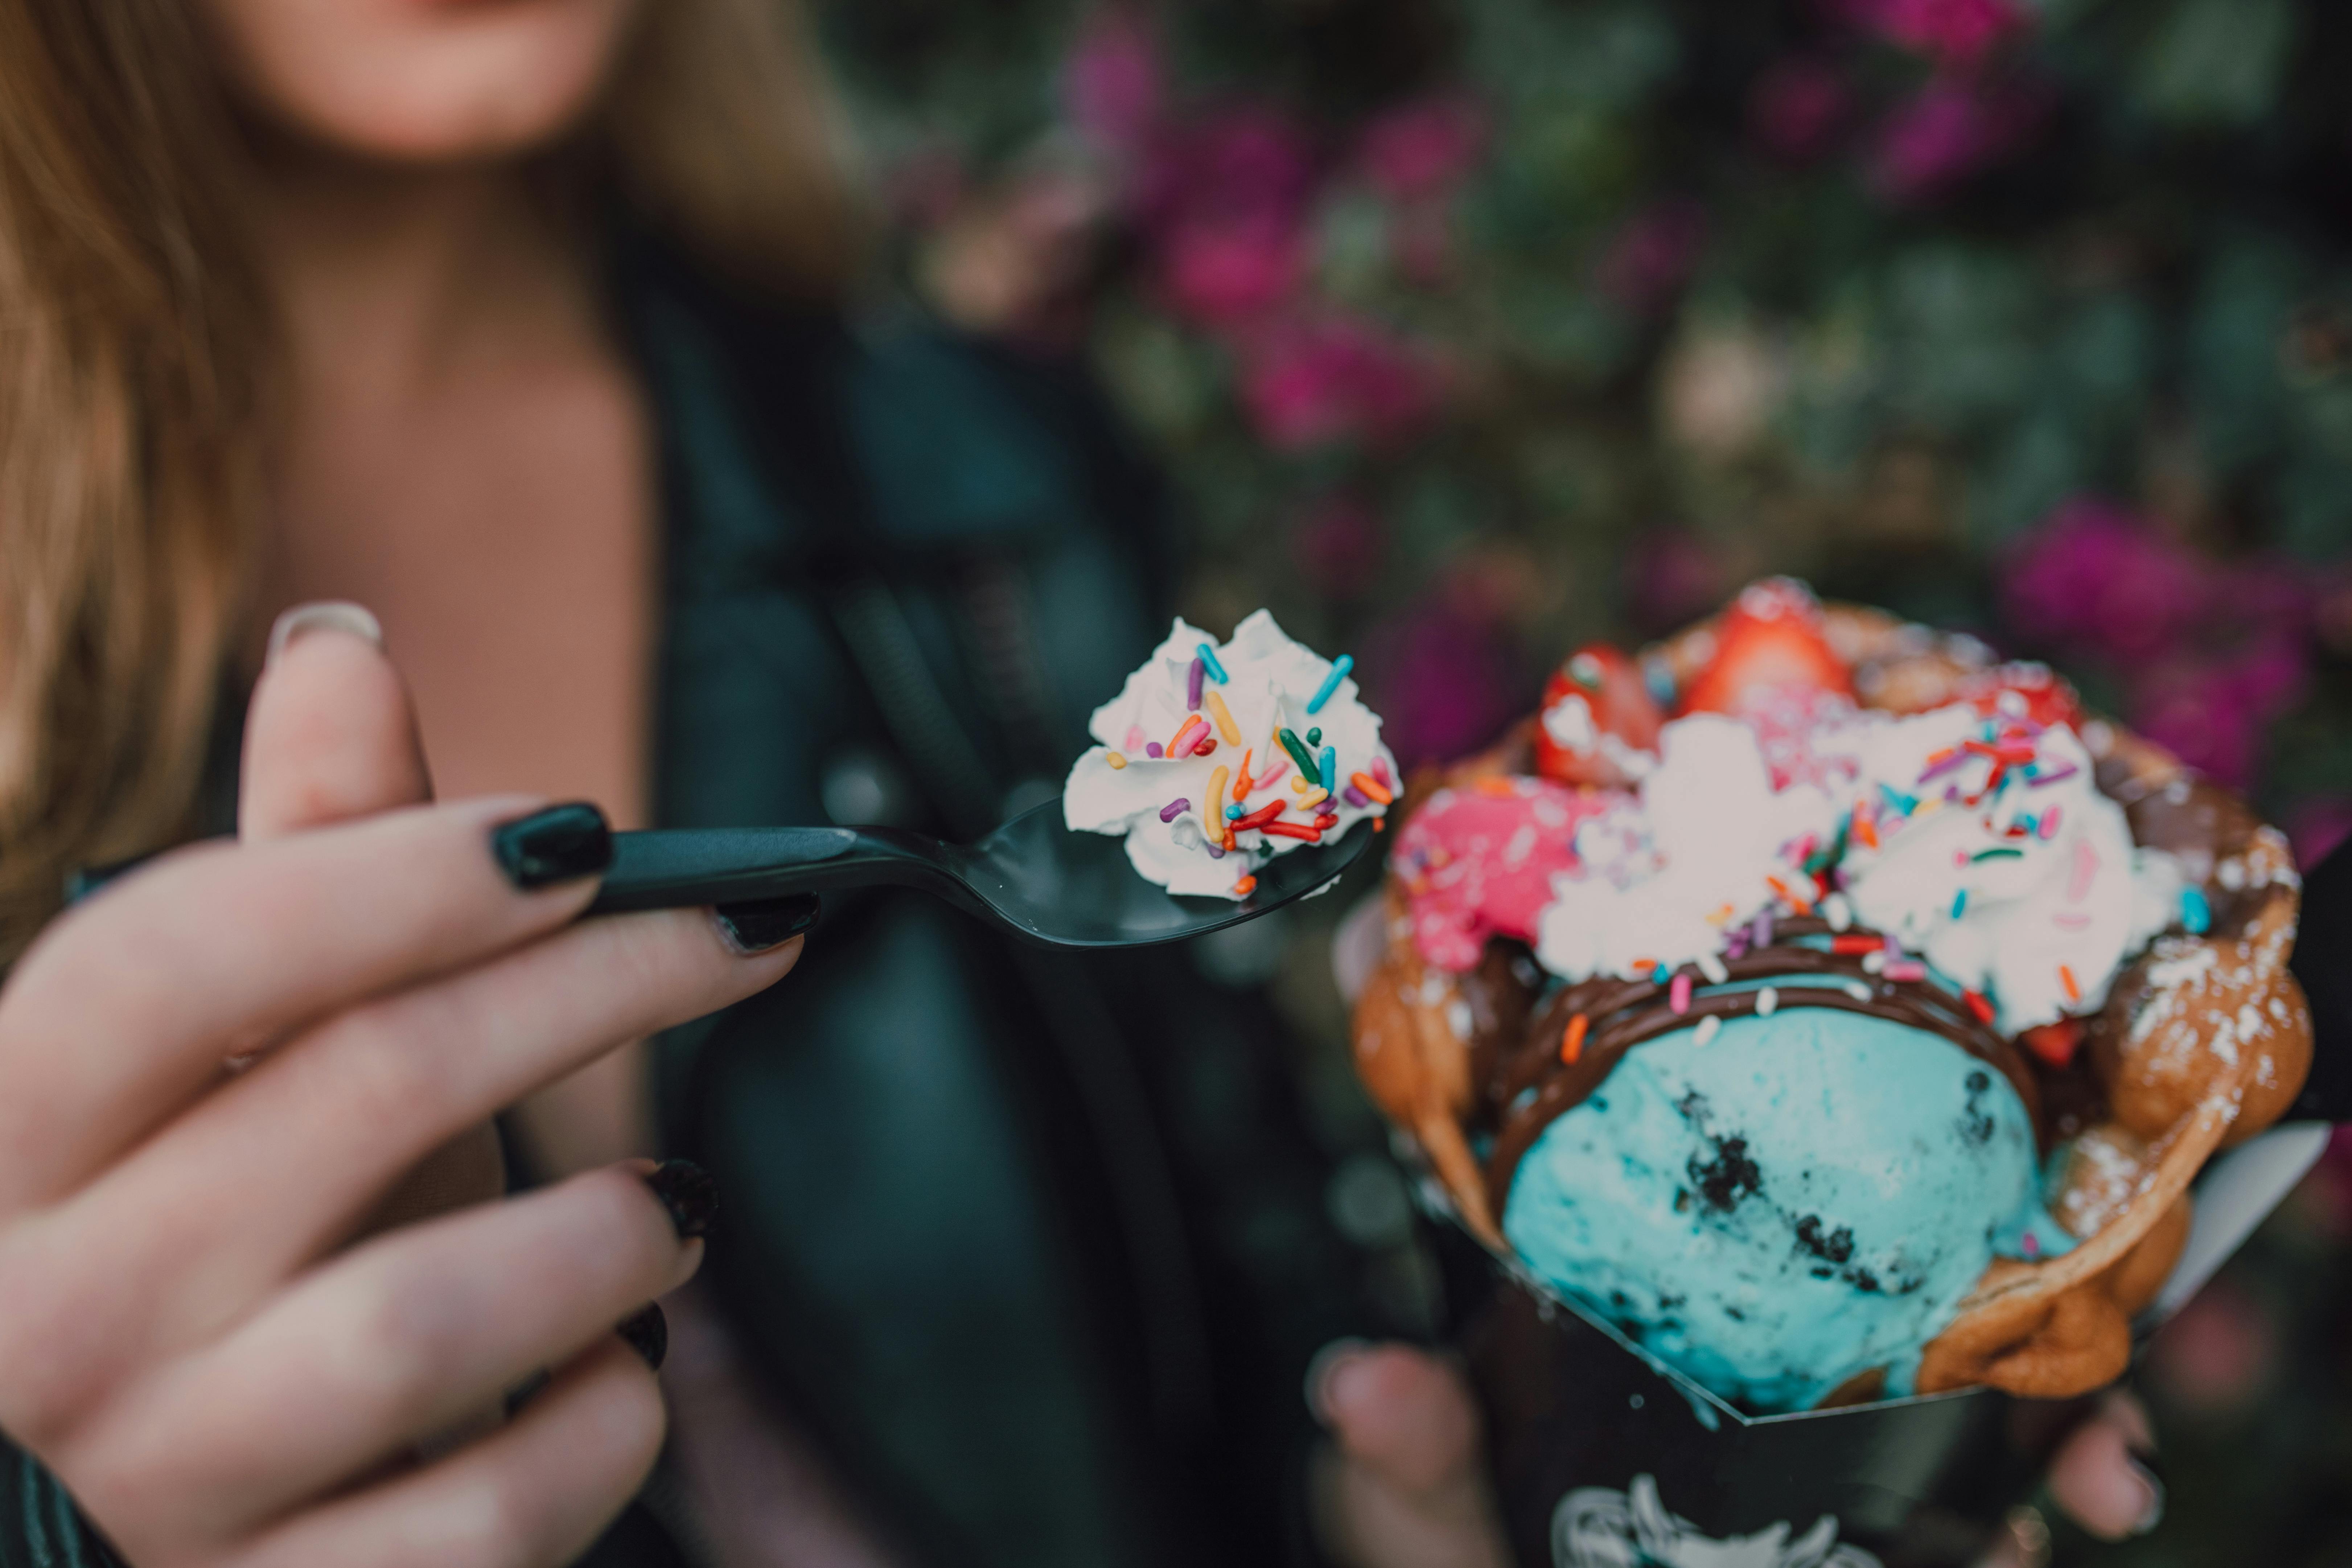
{"x":1115,"y":761}
{"x":1298,"y":751}
{"x":1329,"y":770}
{"x":1339,"y":668}
{"x":1225,"y":717}
{"x":1571,"y":1039}
{"x":1155,"y":750}
{"x":1193,"y":685}
{"x":1959,"y":903}
{"x":1708,"y":1028}
{"x":1208,"y":657}
{"x":1678,"y":996}
{"x":2195,"y":911}
{"x":1174,"y":809}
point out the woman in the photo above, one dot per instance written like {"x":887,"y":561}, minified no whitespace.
{"x":510,"y":321}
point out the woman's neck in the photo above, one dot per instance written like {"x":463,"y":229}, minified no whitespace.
{"x":389,"y":280}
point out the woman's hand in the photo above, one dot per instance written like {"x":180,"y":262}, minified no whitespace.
{"x":188,"y":1335}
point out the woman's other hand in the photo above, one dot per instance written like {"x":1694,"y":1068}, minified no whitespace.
{"x":1402,"y":1483}
{"x":189,"y":1336}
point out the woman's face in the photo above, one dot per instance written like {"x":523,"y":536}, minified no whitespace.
{"x":422,"y":81}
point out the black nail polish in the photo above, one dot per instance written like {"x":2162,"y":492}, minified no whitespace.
{"x":523,"y":1393}
{"x":685,"y":1190}
{"x":757,"y":927}
{"x":647,"y":1333}
{"x":557,"y":845}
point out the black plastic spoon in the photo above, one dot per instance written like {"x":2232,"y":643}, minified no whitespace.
{"x":1033,"y":876}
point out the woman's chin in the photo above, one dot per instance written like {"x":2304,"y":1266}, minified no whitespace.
{"x":425,"y":84}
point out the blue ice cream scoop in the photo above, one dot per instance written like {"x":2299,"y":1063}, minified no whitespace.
{"x":1803,"y":1198}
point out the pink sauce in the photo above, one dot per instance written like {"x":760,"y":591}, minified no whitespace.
{"x":1479,"y":861}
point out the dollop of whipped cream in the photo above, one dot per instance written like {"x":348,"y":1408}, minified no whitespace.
{"x":1662,"y":877}
{"x":1980,"y":844}
{"x":1990,"y":852}
{"x":1152,"y":778}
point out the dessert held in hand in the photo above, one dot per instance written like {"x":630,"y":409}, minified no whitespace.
{"x":1834,"y":1010}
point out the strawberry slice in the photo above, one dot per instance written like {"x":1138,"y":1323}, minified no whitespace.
{"x":2055,"y":1043}
{"x":1769,"y":644}
{"x":1598,"y":717}
{"x":2024,"y":690}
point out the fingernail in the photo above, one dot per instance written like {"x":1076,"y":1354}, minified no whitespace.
{"x":1324,"y":1368}
{"x":557,"y":845}
{"x":647,"y":1333}
{"x":689,"y":1195}
{"x":335,"y":615}
{"x":758,"y":926}
{"x":2146,"y":1467}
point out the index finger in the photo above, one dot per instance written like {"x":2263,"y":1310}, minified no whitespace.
{"x":122,"y":1010}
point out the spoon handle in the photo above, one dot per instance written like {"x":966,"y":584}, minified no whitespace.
{"x":680,"y":867}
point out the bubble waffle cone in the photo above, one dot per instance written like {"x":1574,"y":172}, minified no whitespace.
{"x":2203,"y":1040}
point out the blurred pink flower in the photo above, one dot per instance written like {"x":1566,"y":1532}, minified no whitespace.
{"x":1797,"y":107}
{"x":2215,"y":1356}
{"x":1221,"y":268}
{"x":1423,"y":148}
{"x":1947,"y":131}
{"x":1337,"y":546}
{"x":2195,"y":713}
{"x":1309,"y":385}
{"x":2098,"y":579}
{"x":1243,"y":160}
{"x":1958,"y":33}
{"x":1112,"y":79}
{"x":1652,"y":256}
{"x":2213,"y":712}
{"x":1225,"y":203}
{"x":2316,"y":827}
{"x":1444,"y":684}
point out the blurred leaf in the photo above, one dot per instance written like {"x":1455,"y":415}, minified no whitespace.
{"x":1351,"y":249}
{"x":2038,"y":465}
{"x":1167,"y":380}
{"x":2242,"y":303}
{"x":1962,"y":330}
{"x":2217,"y":62}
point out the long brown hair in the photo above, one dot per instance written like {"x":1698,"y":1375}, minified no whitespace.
{"x":135,"y":354}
